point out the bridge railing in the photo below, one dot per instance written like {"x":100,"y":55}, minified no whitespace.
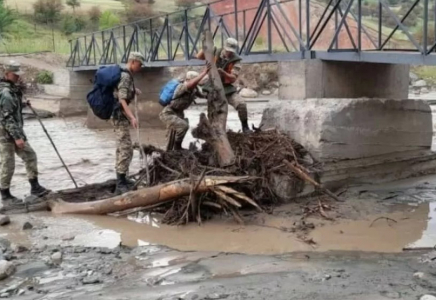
{"x":267,"y":30}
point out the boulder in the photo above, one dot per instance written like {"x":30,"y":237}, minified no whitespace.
{"x":428,"y":297}
{"x":266,"y":92}
{"x":248,"y":93}
{"x":6,"y":269}
{"x":413,"y":77}
{"x":4,"y":220}
{"x":420,"y":83}
{"x":342,"y":129}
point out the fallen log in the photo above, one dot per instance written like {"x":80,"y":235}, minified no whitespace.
{"x":212,"y":128}
{"x":302,"y":175}
{"x":143,"y":197}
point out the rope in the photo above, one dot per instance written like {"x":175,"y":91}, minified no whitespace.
{"x":144,"y":160}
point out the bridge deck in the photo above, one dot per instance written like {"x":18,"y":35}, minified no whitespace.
{"x":268,"y":31}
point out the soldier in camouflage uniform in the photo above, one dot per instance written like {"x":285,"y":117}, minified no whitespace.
{"x":229,"y":66}
{"x":13,"y":139}
{"x":173,"y":114}
{"x":122,"y":118}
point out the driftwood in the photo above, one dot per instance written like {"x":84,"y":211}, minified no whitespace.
{"x":302,"y":175}
{"x":143,"y":197}
{"x":212,"y":128}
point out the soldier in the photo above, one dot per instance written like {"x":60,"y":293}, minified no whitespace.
{"x":228,"y":63}
{"x":122,"y":118}
{"x":13,"y":139}
{"x":173,"y":114}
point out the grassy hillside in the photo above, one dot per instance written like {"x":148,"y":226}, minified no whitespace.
{"x":26,"y":6}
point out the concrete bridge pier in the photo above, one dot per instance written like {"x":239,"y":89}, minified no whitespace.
{"x":355,"y":119}
{"x":306,"y":79}
{"x":149,"y":81}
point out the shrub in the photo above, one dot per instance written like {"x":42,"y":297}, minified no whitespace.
{"x":44,"y":77}
{"x":108,"y":20}
{"x":48,"y":11}
{"x":139,"y":11}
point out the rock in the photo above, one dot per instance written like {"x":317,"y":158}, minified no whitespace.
{"x":6,"y":269}
{"x":4,"y":220}
{"x":94,"y":279}
{"x":275,"y":84}
{"x":56,"y":258}
{"x":248,"y":93}
{"x":19,"y":249}
{"x":266,"y":92}
{"x":424,"y":90}
{"x":428,"y":297}
{"x":419,"y":275}
{"x":263,"y":79}
{"x":338,"y":129}
{"x":4,"y":295}
{"x":413,"y":77}
{"x":27,"y":226}
{"x":276,"y":92}
{"x":420,"y":83}
{"x":425,"y":280}
{"x":5,"y":244}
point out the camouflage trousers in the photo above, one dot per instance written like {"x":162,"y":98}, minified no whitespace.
{"x":239,"y":105}
{"x":8,"y":149}
{"x":124,"y":152}
{"x":175,"y":121}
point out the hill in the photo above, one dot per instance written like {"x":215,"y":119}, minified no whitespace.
{"x":26,"y":6}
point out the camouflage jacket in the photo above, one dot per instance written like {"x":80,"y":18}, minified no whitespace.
{"x":125,"y":90}
{"x":11,"y":117}
{"x":183,"y":98}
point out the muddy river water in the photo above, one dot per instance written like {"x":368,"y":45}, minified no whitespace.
{"x":264,"y":259}
{"x":90,"y":157}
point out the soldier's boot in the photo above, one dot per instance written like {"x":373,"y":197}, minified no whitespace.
{"x":36,"y":189}
{"x":122,"y":184}
{"x":9,"y":201}
{"x":243,"y":117}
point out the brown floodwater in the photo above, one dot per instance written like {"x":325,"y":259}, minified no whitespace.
{"x":90,"y":155}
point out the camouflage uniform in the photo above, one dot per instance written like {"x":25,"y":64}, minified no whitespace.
{"x":11,"y":129}
{"x":233,"y":66}
{"x":233,"y":98}
{"x":124,"y":152}
{"x":173,"y":115}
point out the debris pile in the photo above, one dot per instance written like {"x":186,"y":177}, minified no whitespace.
{"x":260,"y":156}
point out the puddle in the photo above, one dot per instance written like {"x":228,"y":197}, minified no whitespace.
{"x":428,"y":238}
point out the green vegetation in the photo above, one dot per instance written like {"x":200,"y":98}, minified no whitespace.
{"x":428,"y":73}
{"x":44,"y":77}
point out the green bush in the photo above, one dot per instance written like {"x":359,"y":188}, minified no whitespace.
{"x":108,"y":19}
{"x":44,"y":77}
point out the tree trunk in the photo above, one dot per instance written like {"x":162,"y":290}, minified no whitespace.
{"x":212,"y":128}
{"x":143,"y":197}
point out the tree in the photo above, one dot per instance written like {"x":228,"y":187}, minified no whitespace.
{"x":73,"y":4}
{"x":48,"y":11}
{"x":94,"y":16}
{"x":139,"y":11}
{"x":185,"y":4}
{"x":108,"y":20}
{"x":7,"y":17}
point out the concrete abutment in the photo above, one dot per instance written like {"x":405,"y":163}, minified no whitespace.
{"x":149,"y":81}
{"x":306,"y":79}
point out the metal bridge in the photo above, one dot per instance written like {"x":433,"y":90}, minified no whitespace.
{"x":272,"y":30}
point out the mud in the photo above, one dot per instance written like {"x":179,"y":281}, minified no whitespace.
{"x":137,"y":257}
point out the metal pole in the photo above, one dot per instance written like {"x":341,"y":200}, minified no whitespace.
{"x":359,"y":25}
{"x":308,"y":24}
{"x":186,"y":36}
{"x":236,"y":20}
{"x":54,"y":146}
{"x":425,"y":24}
{"x":269,"y":27}
{"x":380,"y":24}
